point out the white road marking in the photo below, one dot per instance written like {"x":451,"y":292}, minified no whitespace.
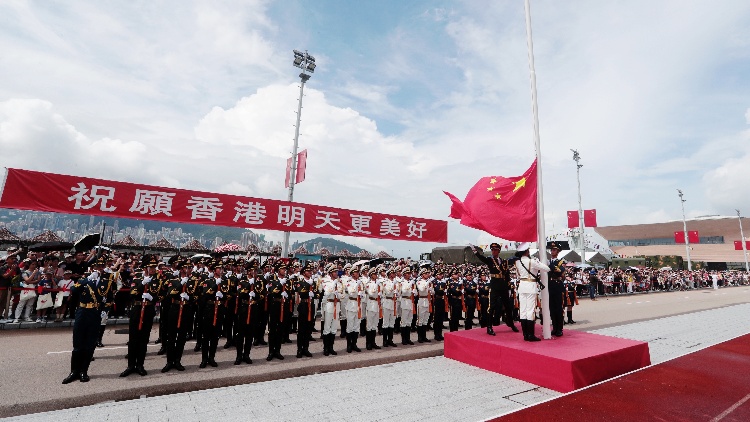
{"x":98,"y":348}
{"x":731,"y":409}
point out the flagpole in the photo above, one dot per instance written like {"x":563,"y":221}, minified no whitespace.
{"x":541,"y":238}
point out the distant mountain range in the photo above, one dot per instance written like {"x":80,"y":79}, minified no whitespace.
{"x":333,"y":245}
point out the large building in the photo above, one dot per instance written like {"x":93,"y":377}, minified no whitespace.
{"x":715,"y":247}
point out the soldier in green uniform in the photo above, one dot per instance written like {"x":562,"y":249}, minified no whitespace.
{"x":179,"y":319}
{"x":277,"y":298}
{"x":247,"y":301}
{"x":212,"y":293}
{"x":144,"y":291}
{"x":304,"y":289}
{"x":231,"y":301}
{"x":86,"y":324}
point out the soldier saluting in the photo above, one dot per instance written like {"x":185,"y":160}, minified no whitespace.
{"x":500,"y":301}
{"x":556,"y":288}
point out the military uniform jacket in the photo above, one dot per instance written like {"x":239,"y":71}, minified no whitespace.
{"x":470,"y":291}
{"x":455,"y":292}
{"x":557,"y":269}
{"x":105,"y":290}
{"x":86,"y":293}
{"x":499,"y":270}
{"x":137,"y":289}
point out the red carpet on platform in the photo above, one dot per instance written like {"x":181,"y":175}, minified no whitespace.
{"x":563,"y":364}
{"x":712,"y":384}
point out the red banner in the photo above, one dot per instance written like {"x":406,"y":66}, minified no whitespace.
{"x":589,"y":218}
{"x":37,"y":191}
{"x":301,"y":168}
{"x":679,"y":237}
{"x":573,"y":219}
{"x":738,"y":245}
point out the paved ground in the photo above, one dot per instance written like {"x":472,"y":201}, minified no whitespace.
{"x":432,"y":389}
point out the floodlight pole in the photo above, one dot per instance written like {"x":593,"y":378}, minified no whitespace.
{"x":742,"y":236}
{"x":684,"y":229}
{"x":305,"y":62}
{"x":581,"y":238}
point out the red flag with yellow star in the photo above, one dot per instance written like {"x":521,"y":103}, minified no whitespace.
{"x":502,"y":206}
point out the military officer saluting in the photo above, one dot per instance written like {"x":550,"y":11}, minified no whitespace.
{"x":500,"y":300}
{"x":556,"y":288}
{"x":86,"y":325}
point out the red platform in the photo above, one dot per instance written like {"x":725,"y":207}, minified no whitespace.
{"x":563,"y":364}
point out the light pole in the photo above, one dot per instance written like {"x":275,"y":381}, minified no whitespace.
{"x":581,"y":239}
{"x":744,"y":247}
{"x":684,"y":229}
{"x":305,"y":62}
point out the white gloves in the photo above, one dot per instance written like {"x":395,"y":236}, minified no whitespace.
{"x":229,"y":273}
{"x":413,"y":291}
{"x":176,"y":273}
{"x":361,"y":294}
{"x":337,"y":295}
{"x":252,"y":295}
{"x":284,"y":295}
{"x":184,"y":296}
{"x":184,"y":281}
{"x":146,"y":280}
{"x":104,"y":314}
{"x":218,"y":282}
{"x":219,"y":295}
{"x":94,"y":276}
{"x":147,"y":296}
{"x":311,"y":294}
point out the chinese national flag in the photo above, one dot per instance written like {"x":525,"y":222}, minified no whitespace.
{"x":738,"y":245}
{"x":589,"y":218}
{"x":679,"y":237}
{"x":501,"y":206}
{"x":573,"y":219}
{"x":301,"y":168}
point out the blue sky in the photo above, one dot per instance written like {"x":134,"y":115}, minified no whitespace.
{"x":408,"y":99}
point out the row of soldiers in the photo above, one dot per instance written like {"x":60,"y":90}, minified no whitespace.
{"x":240,"y":301}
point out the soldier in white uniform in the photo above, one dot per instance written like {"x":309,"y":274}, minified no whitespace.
{"x":372,"y":290}
{"x":354,"y":292}
{"x":527,"y":269}
{"x":331,"y":292}
{"x":425,"y":291}
{"x":389,"y":301}
{"x":344,"y":300}
{"x":406,"y":292}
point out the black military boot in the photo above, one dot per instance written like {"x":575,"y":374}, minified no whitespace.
{"x":532,"y":337}
{"x":101,"y":336}
{"x":424,"y":335}
{"x":331,"y":342}
{"x":355,"y":335}
{"x":491,"y":332}
{"x":75,"y":368}
{"x":374,"y":345}
{"x":570,"y":317}
{"x":342,"y":322}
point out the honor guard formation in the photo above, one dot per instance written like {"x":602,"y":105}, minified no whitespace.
{"x":257,"y":306}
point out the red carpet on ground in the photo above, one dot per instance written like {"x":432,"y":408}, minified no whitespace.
{"x":564,"y":364}
{"x":709,"y":385}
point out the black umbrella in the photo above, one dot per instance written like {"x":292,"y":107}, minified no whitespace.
{"x":50,"y":246}
{"x":86,"y":243}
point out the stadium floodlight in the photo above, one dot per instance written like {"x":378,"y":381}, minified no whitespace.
{"x":305,"y":62}
{"x":684,"y":228}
